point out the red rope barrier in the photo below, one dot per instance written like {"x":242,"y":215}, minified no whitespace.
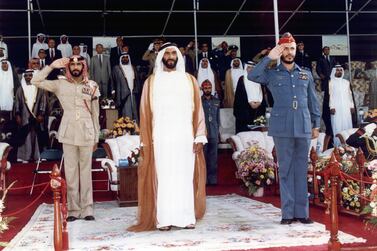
{"x":24,"y":187}
{"x":23,"y":209}
{"x":350,"y":187}
{"x":353,"y":178}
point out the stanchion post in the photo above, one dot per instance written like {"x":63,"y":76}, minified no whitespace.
{"x":314,"y":159}
{"x":334,"y":243}
{"x":56,"y":187}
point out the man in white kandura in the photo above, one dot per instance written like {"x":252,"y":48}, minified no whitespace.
{"x":172,"y":175}
{"x":341,"y":102}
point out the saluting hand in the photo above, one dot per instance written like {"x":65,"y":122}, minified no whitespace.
{"x":276,"y":52}
{"x":59,"y":63}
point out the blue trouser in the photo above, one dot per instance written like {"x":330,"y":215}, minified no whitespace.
{"x":292,"y":155}
{"x":210,"y":153}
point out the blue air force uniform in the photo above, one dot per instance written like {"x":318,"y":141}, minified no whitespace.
{"x":294,"y":114}
{"x":211,"y":109}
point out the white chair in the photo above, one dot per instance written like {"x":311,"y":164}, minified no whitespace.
{"x":227,"y":127}
{"x":242,"y":141}
{"x":116,"y":149}
{"x":4,"y":163}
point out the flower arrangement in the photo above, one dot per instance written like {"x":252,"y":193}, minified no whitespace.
{"x":350,"y":196}
{"x":260,"y":121}
{"x":124,"y":125}
{"x":255,"y":168}
{"x":347,"y":155}
{"x":371,"y":208}
{"x":133,"y":159}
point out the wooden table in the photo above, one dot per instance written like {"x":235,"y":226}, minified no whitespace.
{"x":107,"y":118}
{"x":127,"y":188}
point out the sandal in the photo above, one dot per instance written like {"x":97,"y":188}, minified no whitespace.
{"x":167,"y":228}
{"x":191,"y":226}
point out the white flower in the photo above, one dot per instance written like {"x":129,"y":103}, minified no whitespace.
{"x":1,"y":205}
{"x":372,"y":187}
{"x":372,"y":204}
{"x":319,"y":177}
{"x":345,"y":189}
{"x":310,"y":179}
{"x":374,"y":175}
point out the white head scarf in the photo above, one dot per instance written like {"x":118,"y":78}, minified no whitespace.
{"x":44,"y":38}
{"x":6,"y":89}
{"x":332,"y":75}
{"x":30,"y":93}
{"x":175,"y":79}
{"x":82,"y":53}
{"x":159,"y":65}
{"x":206,"y":73}
{"x":236,"y":73}
{"x":66,"y":48}
{"x":39,"y":45}
{"x":253,"y":89}
{"x":128,"y":71}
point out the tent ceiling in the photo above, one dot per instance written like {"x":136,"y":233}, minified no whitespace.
{"x":148,"y":17}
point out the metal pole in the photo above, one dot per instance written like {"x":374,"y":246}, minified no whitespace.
{"x":348,"y":41}
{"x":195,"y":3}
{"x":276,"y":22}
{"x":29,"y":25}
{"x":354,"y":116}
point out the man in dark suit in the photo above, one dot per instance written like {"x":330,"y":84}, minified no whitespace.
{"x":302,"y":57}
{"x":324,"y":66}
{"x":188,"y":61}
{"x":51,"y":55}
{"x":116,"y":52}
{"x":205,"y":53}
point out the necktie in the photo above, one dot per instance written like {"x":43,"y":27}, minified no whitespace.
{"x":328,"y":59}
{"x":42,"y":63}
{"x":51,"y":56}
{"x":53,"y":53}
{"x":100,"y":60}
{"x":205,"y":54}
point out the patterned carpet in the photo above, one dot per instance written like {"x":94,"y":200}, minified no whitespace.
{"x":231,"y":222}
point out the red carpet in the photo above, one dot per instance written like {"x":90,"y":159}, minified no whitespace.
{"x":227,"y":184}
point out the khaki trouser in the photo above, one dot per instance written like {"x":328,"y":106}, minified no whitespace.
{"x":78,"y":171}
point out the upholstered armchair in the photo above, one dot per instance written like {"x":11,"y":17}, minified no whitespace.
{"x":117,"y":149}
{"x":4,"y":163}
{"x":242,"y":141}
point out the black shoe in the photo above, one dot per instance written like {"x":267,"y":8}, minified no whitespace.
{"x":71,"y":218}
{"x":89,"y":217}
{"x":286,"y":221}
{"x":304,"y":220}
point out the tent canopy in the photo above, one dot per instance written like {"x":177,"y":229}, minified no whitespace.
{"x":175,"y":17}
{"x":251,"y":20}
